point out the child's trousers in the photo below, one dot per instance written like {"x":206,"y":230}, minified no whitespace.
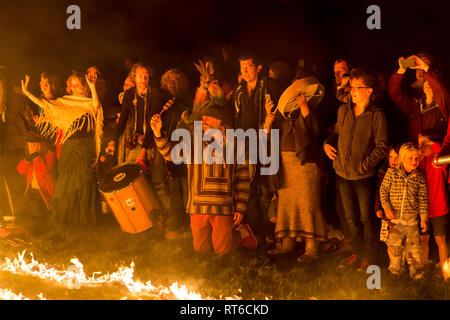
{"x":401,"y":236}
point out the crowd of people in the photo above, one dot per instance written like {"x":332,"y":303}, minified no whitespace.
{"x":361,"y":159}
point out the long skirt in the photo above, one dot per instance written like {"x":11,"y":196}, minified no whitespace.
{"x":299,"y":213}
{"x":76,"y":201}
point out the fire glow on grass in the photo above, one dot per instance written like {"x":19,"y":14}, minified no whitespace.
{"x":75,"y":276}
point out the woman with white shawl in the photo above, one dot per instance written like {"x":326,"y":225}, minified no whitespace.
{"x":79,"y":119}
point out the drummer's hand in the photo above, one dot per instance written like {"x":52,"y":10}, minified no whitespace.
{"x":110,"y":148}
{"x":156,"y":124}
{"x":237,"y":218}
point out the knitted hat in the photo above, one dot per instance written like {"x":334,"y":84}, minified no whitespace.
{"x":223,"y":113}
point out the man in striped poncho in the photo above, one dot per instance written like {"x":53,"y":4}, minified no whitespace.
{"x":218,"y":192}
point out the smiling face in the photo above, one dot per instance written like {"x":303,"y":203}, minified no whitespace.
{"x":77,"y":87}
{"x":249,"y":70}
{"x":393,"y":159}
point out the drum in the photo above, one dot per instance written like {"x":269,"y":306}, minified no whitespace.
{"x":130,"y":197}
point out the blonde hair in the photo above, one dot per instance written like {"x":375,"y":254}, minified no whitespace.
{"x":405,"y":148}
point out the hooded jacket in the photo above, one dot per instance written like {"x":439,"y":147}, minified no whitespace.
{"x":362,"y":142}
{"x":406,"y":195}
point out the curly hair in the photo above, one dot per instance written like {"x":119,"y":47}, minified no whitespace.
{"x":183,"y":79}
{"x":139,"y":65}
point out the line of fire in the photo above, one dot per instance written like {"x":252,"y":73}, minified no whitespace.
{"x":282,"y":150}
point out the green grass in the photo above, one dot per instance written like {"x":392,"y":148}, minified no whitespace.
{"x":247,"y":274}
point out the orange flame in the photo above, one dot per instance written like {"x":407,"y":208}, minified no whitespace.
{"x":124,"y":275}
{"x":6,"y":294}
{"x":446,"y":269}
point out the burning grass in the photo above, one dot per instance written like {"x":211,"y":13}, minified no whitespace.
{"x":170,"y":269}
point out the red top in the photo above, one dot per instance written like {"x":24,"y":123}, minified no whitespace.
{"x":437,"y":186}
{"x":43,"y":167}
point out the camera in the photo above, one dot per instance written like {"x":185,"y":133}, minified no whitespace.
{"x":408,"y":63}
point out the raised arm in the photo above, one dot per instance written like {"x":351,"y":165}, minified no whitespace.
{"x":30,"y":96}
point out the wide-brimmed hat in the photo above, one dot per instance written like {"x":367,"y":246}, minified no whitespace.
{"x":309,"y":86}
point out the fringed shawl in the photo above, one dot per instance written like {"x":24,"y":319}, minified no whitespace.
{"x":66,"y":114}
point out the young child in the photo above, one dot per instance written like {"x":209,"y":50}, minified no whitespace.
{"x":39,"y":167}
{"x":436,"y":178}
{"x":404,"y":197}
{"x":392,"y":162}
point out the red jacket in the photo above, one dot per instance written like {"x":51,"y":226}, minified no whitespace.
{"x":437,"y":185}
{"x":435,"y":117}
{"x":45,"y":174}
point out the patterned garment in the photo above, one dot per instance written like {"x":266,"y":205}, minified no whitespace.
{"x":399,"y":233}
{"x":214,"y":189}
{"x":299,"y":213}
{"x":406,"y":195}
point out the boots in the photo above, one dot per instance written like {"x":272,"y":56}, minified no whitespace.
{"x":311,"y":251}
{"x":284,"y":247}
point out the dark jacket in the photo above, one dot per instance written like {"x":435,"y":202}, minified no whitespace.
{"x":127,"y":113}
{"x":250,"y":111}
{"x":362,"y":142}
{"x":19,"y":121}
{"x":422,"y":117}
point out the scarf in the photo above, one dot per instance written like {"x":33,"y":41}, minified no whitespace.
{"x":65,"y":115}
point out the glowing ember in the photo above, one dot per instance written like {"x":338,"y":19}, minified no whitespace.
{"x":446,"y":269}
{"x":75,"y":277}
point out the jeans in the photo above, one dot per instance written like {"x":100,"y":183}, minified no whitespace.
{"x":357,"y":199}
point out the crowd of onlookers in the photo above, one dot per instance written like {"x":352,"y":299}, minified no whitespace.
{"x":359,"y":155}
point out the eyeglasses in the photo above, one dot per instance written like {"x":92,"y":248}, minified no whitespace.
{"x":357,"y":88}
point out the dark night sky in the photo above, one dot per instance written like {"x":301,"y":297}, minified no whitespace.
{"x":175,"y":33}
